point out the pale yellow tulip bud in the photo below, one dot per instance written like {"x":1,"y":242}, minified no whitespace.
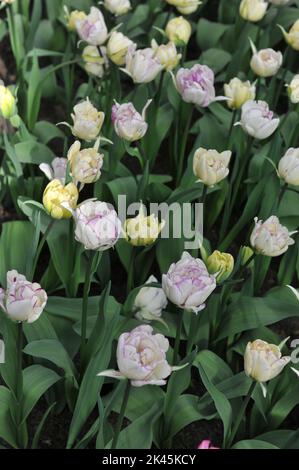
{"x":210,"y":166}
{"x":178,"y":30}
{"x":117,"y":48}
{"x":56,"y":195}
{"x":72,"y":18}
{"x":253,"y":10}
{"x":142,"y":230}
{"x":263,"y":361}
{"x":7,"y":102}
{"x":88,"y":121}
{"x":292,"y":37}
{"x":238,"y":92}
{"x":86,"y":164}
{"x":220,"y":264}
{"x":166,"y":54}
{"x":293,"y":90}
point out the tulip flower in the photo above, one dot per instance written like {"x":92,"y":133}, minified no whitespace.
{"x":266,"y":62}
{"x":22,"y":300}
{"x":92,"y":29}
{"x":72,"y":18}
{"x":288,"y":167}
{"x":141,"y":358}
{"x":292,"y":37}
{"x":196,"y":85}
{"x":143,"y":230}
{"x":188,"y":283}
{"x":56,"y":170}
{"x":85,"y":164}
{"x":210,"y":166}
{"x":97,"y":226}
{"x":166,"y":54}
{"x":257,"y":119}
{"x":7,"y":102}
{"x":221,"y":265}
{"x":253,"y":10}
{"x":87,"y":121}
{"x":117,"y":47}
{"x":238,"y":92}
{"x":178,"y":30}
{"x":186,"y":7}
{"x":142,"y":65}
{"x":293,"y":90}
{"x":94,"y":63}
{"x":206,"y":445}
{"x":57,"y":196}
{"x":128,"y":123}
{"x":270,"y":238}
{"x":263,"y":361}
{"x":149,"y":302}
{"x":118,"y":7}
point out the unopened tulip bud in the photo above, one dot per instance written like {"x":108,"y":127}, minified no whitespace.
{"x":257,"y":119}
{"x":292,"y":37}
{"x":128,"y":123}
{"x":92,"y":28}
{"x":186,"y":7}
{"x":253,"y":10}
{"x":266,"y":62}
{"x":97,"y":226}
{"x":72,"y":18}
{"x":117,"y":7}
{"x":238,"y":92}
{"x":85,"y":164}
{"x":210,"y":166}
{"x":57,"y":196}
{"x":293,"y":90}
{"x":87,"y":121}
{"x":220,"y":264}
{"x":93,"y":61}
{"x":166,"y":54}
{"x":288,"y":167}
{"x":263,"y":361}
{"x":143,"y":230}
{"x":142,"y":65}
{"x":270,"y":238}
{"x":7,"y":102}
{"x":117,"y":48}
{"x":22,"y":301}
{"x":178,"y":30}
{"x":150,"y":302}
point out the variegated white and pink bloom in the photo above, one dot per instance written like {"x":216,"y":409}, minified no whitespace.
{"x":92,"y":29}
{"x":56,"y":170}
{"x":196,"y":85}
{"x":188,"y":283}
{"x":206,"y":444}
{"x":97,"y":226}
{"x":128,"y":123}
{"x":22,"y":301}
{"x":141,"y":358}
{"x":258,"y":120}
{"x":142,"y":65}
{"x":270,"y":238}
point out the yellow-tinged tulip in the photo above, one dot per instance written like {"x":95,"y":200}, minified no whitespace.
{"x":7,"y":102}
{"x":221,"y":264}
{"x":142,"y":230}
{"x":56,"y":195}
{"x":293,"y":90}
{"x":210,"y":166}
{"x":253,"y":10}
{"x":178,"y":30}
{"x":117,"y":47}
{"x":73,"y":17}
{"x":94,"y":63}
{"x":263,"y":361}
{"x":166,"y":54}
{"x":186,"y":7}
{"x":292,"y":37}
{"x":238,"y":92}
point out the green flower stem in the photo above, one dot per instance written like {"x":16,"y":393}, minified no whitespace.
{"x":40,"y":247}
{"x":182,"y":151}
{"x":19,"y":384}
{"x":231,"y":127}
{"x":121,"y":415}
{"x":178,"y":338}
{"x":281,"y":194}
{"x":130,"y":280}
{"x":241,"y":172}
{"x":192,"y":332}
{"x":240,"y":415}
{"x":281,"y":83}
{"x":92,"y":264}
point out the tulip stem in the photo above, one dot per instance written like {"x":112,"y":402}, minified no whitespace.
{"x":240,"y":415}
{"x":178,"y":339}
{"x":233,"y":120}
{"x":130,"y":281}
{"x":40,"y":247}
{"x":121,"y":415}
{"x":182,"y":151}
{"x":192,"y":332}
{"x":19,"y":384}
{"x":281,"y":194}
